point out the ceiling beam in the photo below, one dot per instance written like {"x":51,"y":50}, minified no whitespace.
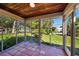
{"x":69,"y":9}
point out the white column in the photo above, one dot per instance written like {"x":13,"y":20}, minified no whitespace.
{"x":24,"y":30}
{"x":64,"y":32}
{"x":73,"y":34}
{"x":2,"y":41}
{"x":39,"y":31}
{"x":16,"y":32}
{"x":31,"y":39}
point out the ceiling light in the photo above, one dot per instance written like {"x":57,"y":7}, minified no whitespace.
{"x":32,"y":4}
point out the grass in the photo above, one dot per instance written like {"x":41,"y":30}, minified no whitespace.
{"x":57,"y":40}
{"x":9,"y":40}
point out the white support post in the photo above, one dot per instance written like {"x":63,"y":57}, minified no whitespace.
{"x":2,"y":42}
{"x":64,"y":32}
{"x":31,"y":39}
{"x":16,"y":32}
{"x":24,"y":30}
{"x":39,"y":31}
{"x":73,"y":34}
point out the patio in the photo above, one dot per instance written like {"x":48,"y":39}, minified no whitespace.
{"x":32,"y":49}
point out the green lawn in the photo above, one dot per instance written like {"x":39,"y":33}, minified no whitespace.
{"x":9,"y":40}
{"x":57,"y":39}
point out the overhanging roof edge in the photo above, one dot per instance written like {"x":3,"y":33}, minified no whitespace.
{"x":6,"y":13}
{"x":47,"y":16}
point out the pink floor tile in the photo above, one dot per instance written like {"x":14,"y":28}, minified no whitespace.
{"x":32,"y":49}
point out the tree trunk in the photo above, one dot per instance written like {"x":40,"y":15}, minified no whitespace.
{"x":13,"y":30}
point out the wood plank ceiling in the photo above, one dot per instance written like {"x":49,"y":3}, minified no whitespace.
{"x":24,"y":10}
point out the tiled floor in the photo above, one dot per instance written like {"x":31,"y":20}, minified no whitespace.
{"x":32,"y":49}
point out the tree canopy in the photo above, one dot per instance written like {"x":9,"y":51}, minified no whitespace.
{"x":6,"y":22}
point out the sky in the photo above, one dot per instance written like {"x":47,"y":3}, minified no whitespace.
{"x":77,"y":13}
{"x":58,"y":21}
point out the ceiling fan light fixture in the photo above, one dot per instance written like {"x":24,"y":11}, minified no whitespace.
{"x":32,"y":5}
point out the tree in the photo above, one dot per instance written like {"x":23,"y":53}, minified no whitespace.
{"x":32,"y":23}
{"x":35,"y":24}
{"x":47,"y":23}
{"x":68,"y":25}
{"x":6,"y":22}
{"x":77,"y":26}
